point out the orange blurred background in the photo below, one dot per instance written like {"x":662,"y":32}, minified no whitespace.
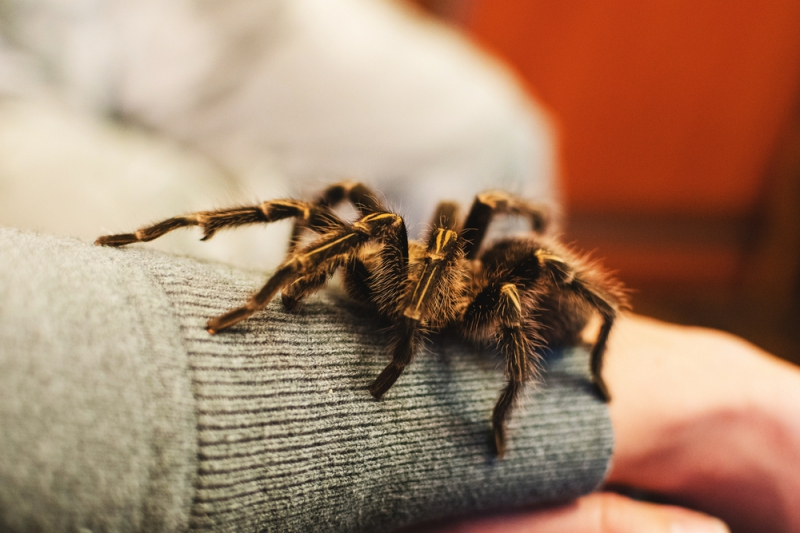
{"x":680,"y":143}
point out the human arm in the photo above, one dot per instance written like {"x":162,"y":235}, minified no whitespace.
{"x":120,"y":412}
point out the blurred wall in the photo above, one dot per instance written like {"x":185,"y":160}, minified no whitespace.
{"x":679,"y":132}
{"x":670,"y":116}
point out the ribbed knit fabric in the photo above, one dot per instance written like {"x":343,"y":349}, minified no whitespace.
{"x":289,"y":439}
{"x":97,"y":422}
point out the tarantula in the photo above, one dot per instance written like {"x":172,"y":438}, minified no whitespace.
{"x":521,"y":293}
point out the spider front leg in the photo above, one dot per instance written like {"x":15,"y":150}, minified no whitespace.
{"x":315,"y":216}
{"x":490,"y":203}
{"x":428,"y":300}
{"x":407,"y":338}
{"x":387,"y":287}
{"x":500,"y":308}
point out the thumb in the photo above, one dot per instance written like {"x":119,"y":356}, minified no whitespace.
{"x":602,"y":512}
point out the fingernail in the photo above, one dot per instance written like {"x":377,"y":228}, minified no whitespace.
{"x":706,"y":525}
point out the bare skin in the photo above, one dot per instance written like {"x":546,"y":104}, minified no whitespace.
{"x":702,"y":418}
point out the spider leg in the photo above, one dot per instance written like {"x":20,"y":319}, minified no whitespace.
{"x":387,"y":288}
{"x":499,"y":306}
{"x":602,"y":295}
{"x":364,"y":199}
{"x":366,"y":202}
{"x":359,"y":195}
{"x":407,"y":337}
{"x":358,"y":280}
{"x":446,"y":216}
{"x":296,"y":291}
{"x":382,"y":276}
{"x":315,"y":216}
{"x":323,"y":255}
{"x":608,"y":310}
{"x":427,"y":299}
{"x":490,"y":203}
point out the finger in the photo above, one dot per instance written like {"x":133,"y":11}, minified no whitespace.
{"x":597,"y":513}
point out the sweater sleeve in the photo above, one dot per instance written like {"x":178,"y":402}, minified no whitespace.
{"x":120,"y":412}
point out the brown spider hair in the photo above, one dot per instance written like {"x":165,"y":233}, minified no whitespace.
{"x":522,"y":294}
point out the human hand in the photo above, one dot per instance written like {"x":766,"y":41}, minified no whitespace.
{"x":601,"y":512}
{"x":700,"y":417}
{"x":708,"y":420}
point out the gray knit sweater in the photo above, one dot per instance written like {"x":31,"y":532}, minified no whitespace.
{"x":119,"y":412}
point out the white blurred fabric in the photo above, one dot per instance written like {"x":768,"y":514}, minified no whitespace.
{"x":115,"y":113}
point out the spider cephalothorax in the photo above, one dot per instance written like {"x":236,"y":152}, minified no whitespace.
{"x":522,"y":293}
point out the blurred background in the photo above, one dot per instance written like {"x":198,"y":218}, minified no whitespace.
{"x":668,"y":131}
{"x":679,"y":130}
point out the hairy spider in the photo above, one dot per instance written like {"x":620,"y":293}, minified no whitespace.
{"x":521,"y":293}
